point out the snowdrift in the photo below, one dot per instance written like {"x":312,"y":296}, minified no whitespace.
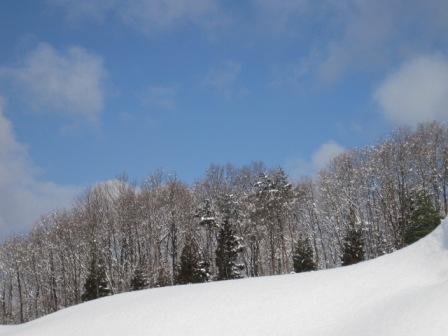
{"x":404,"y":293}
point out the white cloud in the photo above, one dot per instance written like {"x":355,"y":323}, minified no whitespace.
{"x":147,"y":16}
{"x":372,"y":34}
{"x":325,"y":153}
{"x":153,"y":15}
{"x":416,"y":92}
{"x":356,"y":42}
{"x":277,"y":16}
{"x":23,"y":197}
{"x":344,"y":36}
{"x":298,"y":168}
{"x":89,"y":9}
{"x":63,"y":82}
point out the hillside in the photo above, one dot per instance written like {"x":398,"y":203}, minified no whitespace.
{"x":404,"y":293}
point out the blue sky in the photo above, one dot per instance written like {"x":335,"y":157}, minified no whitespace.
{"x":94,"y":88}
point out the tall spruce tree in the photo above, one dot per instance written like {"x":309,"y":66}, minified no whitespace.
{"x":353,"y":247}
{"x":303,"y":258}
{"x":206,"y":215}
{"x":227,"y":253}
{"x":272,"y":199}
{"x":139,"y":279}
{"x":192,"y":269}
{"x":96,"y":284}
{"x":424,"y":218}
{"x":162,"y":276}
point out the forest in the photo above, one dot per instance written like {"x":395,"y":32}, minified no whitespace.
{"x":233,"y":222}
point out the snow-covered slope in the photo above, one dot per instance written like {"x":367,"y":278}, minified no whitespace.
{"x":404,"y":293}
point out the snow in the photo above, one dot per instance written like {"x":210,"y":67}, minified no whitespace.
{"x":401,"y":294}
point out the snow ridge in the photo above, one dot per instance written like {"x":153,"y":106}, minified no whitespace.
{"x":403,"y":293}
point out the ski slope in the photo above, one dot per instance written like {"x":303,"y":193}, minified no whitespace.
{"x":401,"y":294}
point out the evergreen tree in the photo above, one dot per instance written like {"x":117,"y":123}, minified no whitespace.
{"x":424,"y":218}
{"x":139,"y":280}
{"x":353,"y":247}
{"x":303,"y":257}
{"x":272,"y":200}
{"x":96,"y":284}
{"x":163,"y":278}
{"x":206,"y":214}
{"x":227,"y":253}
{"x":192,"y":269}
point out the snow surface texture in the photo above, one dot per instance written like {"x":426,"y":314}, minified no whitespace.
{"x":401,"y":294}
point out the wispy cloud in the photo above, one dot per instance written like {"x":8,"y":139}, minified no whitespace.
{"x":319,"y":159}
{"x":23,"y":197}
{"x":361,"y":36}
{"x":146,"y":16}
{"x":278,"y":16}
{"x":416,"y":92}
{"x":156,"y":15}
{"x":347,"y":34}
{"x":371,"y":34}
{"x":325,"y":153}
{"x":96,"y":10}
{"x":63,"y":82}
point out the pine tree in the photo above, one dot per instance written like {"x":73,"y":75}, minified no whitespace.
{"x":303,"y":257}
{"x":206,"y":214}
{"x":96,"y":284}
{"x":163,"y":277}
{"x":139,"y":280}
{"x":424,"y":218}
{"x":227,"y":253}
{"x":353,"y":247}
{"x":272,"y":199}
{"x":192,"y":269}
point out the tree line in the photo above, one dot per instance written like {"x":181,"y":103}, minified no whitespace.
{"x":234,"y":222}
